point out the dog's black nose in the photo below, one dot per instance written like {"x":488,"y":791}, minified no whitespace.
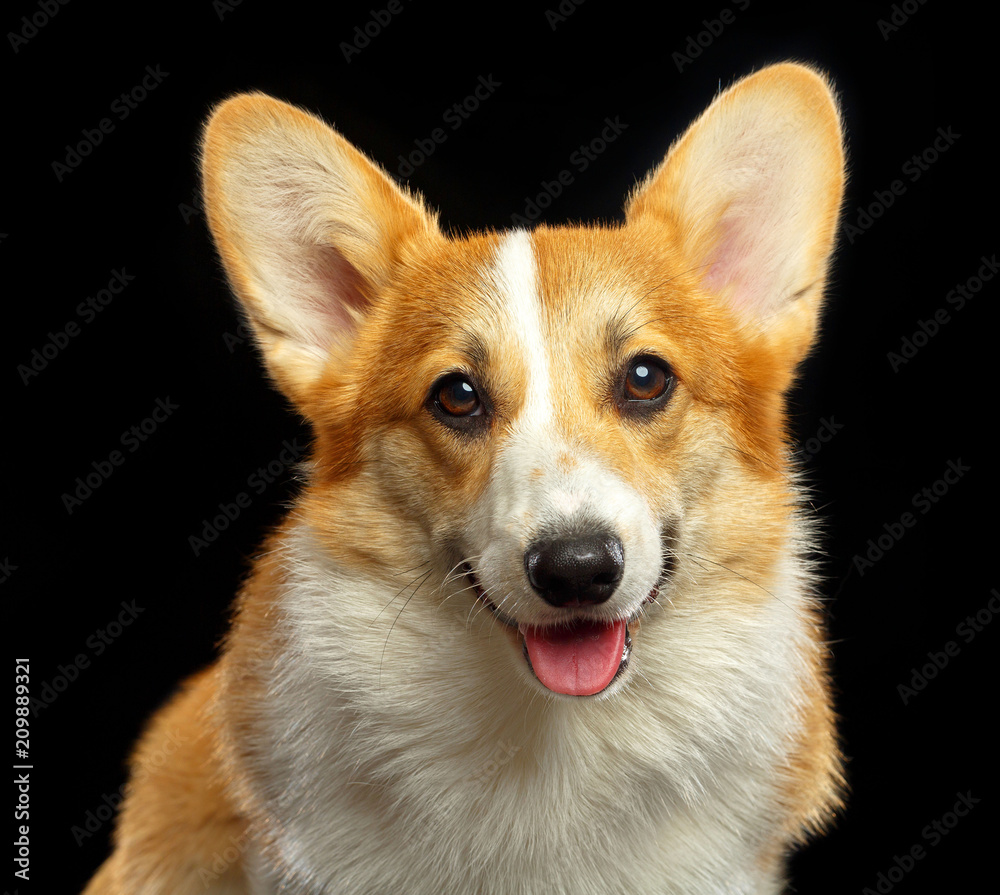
{"x":577,"y":571}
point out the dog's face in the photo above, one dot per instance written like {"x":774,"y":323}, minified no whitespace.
{"x":548,"y":432}
{"x":547,"y":436}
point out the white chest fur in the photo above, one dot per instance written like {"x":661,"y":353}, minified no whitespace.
{"x":404,"y":753}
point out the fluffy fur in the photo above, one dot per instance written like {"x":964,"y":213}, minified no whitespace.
{"x":371,"y":724}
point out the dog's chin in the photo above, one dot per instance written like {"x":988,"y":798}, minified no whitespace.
{"x":553,"y":637}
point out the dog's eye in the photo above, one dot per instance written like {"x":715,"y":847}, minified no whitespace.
{"x":648,"y":381}
{"x":457,"y":397}
{"x":455,"y":401}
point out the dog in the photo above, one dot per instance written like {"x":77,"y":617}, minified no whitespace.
{"x":543,"y":617}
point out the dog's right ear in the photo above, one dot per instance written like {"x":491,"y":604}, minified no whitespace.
{"x":308,"y":229}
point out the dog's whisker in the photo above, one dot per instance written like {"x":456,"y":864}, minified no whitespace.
{"x":406,"y":602}
{"x":397,"y":594}
{"x":458,"y":570}
{"x":456,"y":593}
{"x":702,"y":559}
{"x":407,"y":571}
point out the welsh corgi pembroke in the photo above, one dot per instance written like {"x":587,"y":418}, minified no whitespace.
{"x":543,"y":617}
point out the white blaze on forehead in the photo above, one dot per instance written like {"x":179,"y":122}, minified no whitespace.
{"x":545,"y":483}
{"x":515,"y":277}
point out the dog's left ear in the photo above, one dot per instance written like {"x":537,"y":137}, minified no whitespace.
{"x":752,"y":193}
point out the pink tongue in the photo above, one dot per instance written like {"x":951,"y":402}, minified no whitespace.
{"x":578,"y":661}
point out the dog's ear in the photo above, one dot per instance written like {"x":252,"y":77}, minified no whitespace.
{"x":308,"y":229}
{"x":752,"y":192}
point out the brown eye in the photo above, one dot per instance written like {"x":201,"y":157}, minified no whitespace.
{"x":458,"y":397}
{"x":648,"y":383}
{"x":455,"y":398}
{"x":458,"y":403}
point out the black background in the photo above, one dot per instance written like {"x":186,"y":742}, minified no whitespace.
{"x":173,"y":334}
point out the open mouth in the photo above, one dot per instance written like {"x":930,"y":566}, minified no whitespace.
{"x":581,"y":658}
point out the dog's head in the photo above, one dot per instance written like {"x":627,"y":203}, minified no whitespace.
{"x":557,"y":432}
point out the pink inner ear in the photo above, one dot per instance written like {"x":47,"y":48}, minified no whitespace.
{"x":747,"y":257}
{"x":336,"y":297}
{"x":732,"y":268}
